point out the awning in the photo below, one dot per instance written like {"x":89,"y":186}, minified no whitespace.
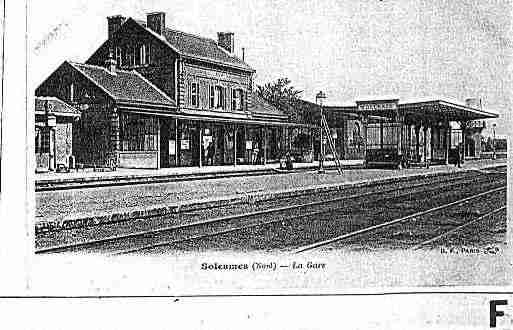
{"x":444,"y":110}
{"x":215,"y":119}
{"x":435,"y":110}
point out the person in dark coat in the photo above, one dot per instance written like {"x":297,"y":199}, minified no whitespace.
{"x":210,"y":154}
{"x":458,"y":156}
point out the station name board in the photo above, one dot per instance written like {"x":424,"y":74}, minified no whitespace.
{"x":377,"y":106}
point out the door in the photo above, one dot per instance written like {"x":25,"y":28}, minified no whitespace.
{"x":164,"y":143}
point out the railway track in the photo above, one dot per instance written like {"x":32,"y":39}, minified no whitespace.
{"x":458,"y":228}
{"x":226,"y":225}
{"x":415,"y":216}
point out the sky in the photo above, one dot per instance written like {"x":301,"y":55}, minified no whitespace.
{"x":350,"y":49}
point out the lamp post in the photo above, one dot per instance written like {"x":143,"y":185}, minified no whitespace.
{"x":493,"y":142}
{"x":319,"y":99}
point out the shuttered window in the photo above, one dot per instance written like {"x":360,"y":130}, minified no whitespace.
{"x":212,"y":98}
{"x":195,"y":94}
{"x":237,"y":95}
{"x":220,"y":97}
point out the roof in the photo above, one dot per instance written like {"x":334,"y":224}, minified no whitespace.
{"x":260,"y":107}
{"x":124,"y":86}
{"x":442,"y":108}
{"x":438,"y":108}
{"x":55,"y":106}
{"x":197,"y":47}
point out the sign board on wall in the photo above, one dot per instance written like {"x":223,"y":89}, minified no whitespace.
{"x":377,"y":106}
{"x":52,"y":121}
{"x":184,"y":145}
{"x":172,"y":147}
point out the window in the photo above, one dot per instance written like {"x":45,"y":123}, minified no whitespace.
{"x":212,"y":97}
{"x":142,"y":54}
{"x":220,"y":97}
{"x":119,"y":58}
{"x":137,"y":56}
{"x":138,"y":132}
{"x":42,"y":142}
{"x":194,"y":94}
{"x":127,"y":56}
{"x":71,"y":92}
{"x":148,"y":54}
{"x":237,"y":99}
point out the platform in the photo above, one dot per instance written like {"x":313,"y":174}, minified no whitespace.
{"x":89,"y":178}
{"x":83,"y":207}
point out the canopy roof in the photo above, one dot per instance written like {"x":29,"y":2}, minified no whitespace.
{"x":433,"y":110}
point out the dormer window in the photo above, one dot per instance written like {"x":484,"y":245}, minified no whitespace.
{"x":237,"y":99}
{"x":194,"y":94}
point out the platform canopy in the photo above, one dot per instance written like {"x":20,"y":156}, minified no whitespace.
{"x":444,"y":110}
{"x":424,"y":110}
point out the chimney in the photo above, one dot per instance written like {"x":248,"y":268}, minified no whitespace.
{"x":474,"y":103}
{"x":110,"y":63}
{"x":226,"y":41}
{"x":156,"y":22}
{"x":115,"y":23}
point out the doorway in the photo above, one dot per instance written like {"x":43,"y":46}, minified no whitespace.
{"x":167,"y":143}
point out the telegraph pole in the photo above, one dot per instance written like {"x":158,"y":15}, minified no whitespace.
{"x":319,"y":99}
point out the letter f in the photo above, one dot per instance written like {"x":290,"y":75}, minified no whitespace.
{"x":494,"y":313}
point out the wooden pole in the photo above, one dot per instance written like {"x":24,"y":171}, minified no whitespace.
{"x":463,"y":126}
{"x":447,"y":142}
{"x":364,"y":127}
{"x":234,"y":144}
{"x":177,"y":148}
{"x":265,"y":143}
{"x":200,"y":127}
{"x":425,"y":129}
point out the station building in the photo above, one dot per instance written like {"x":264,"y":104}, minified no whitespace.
{"x":154,"y":97}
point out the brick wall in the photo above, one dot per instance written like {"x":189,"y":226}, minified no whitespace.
{"x":206,"y":76}
{"x":160,"y":71}
{"x":92,"y":136}
{"x":63,"y":141}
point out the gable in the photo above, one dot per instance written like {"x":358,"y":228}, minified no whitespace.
{"x":58,"y":84}
{"x":175,"y":43}
{"x":129,"y":32}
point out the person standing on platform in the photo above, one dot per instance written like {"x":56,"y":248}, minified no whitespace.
{"x":210,"y":153}
{"x":256,"y":153}
{"x":458,"y":156}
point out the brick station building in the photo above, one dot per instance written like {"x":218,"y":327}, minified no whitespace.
{"x":153,"y":97}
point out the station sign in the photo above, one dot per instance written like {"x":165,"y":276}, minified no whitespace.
{"x":373,"y":106}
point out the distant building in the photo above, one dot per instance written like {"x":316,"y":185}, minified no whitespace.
{"x":53,"y":133}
